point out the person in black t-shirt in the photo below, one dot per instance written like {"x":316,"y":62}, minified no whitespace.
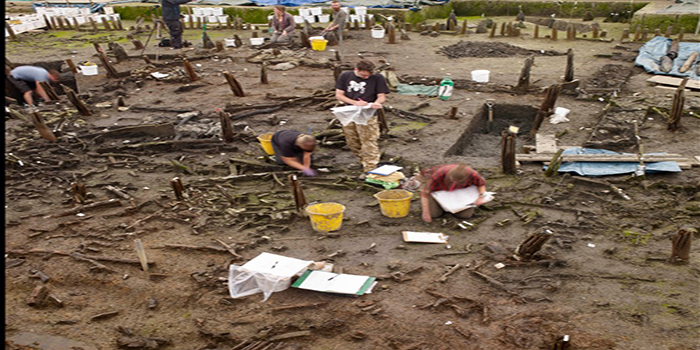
{"x":294,"y":149}
{"x":361,"y":88}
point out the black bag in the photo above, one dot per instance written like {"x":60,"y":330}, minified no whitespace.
{"x":165,"y":42}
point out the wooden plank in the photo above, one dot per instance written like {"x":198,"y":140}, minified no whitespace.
{"x":545,"y":143}
{"x":683,"y":166}
{"x":546,"y":157}
{"x":666,"y":80}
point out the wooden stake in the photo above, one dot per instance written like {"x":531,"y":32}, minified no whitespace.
{"x":383,"y":125}
{"x":554,"y":33}
{"x":263,"y":74}
{"x":533,"y":243}
{"x":645,"y":34}
{"x":178,"y":188}
{"x":552,"y":93}
{"x":48,"y":23}
{"x":106,"y":24}
{"x":680,"y":253}
{"x":237,"y":40}
{"x":191,"y":74}
{"x":657,"y":32}
{"x":681,"y":32}
{"x":463,"y":29}
{"x":554,"y":164}
{"x":304,"y":38}
{"x":68,"y":25}
{"x":234,"y":84}
{"x":92,"y":23}
{"x":228,"y":23}
{"x":668,"y":32}
{"x":596,"y":33}
{"x":219,"y":46}
{"x":71,"y":65}
{"x":76,"y":101}
{"x":119,"y":24}
{"x":59,"y":20}
{"x":536,"y":35}
{"x":493,"y":30}
{"x":503,"y":29}
{"x":44,"y":131}
{"x":508,"y":165}
{"x":638,"y":33}
{"x":226,"y":126}
{"x":569,"y":32}
{"x":452,"y":114}
{"x":297,"y":193}
{"x":138,"y":45}
{"x":111,"y":72}
{"x":391,"y":34}
{"x":524,"y":80}
{"x":569,"y":73}
{"x":337,"y":70}
{"x":79,"y":192}
{"x":146,"y":59}
{"x":50,"y":92}
{"x":674,"y":120}
{"x":97,"y":47}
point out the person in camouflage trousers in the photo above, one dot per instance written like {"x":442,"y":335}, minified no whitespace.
{"x":361,"y":88}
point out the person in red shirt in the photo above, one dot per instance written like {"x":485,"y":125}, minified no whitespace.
{"x":449,"y":177}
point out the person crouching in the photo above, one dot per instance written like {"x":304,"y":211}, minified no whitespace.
{"x":294,"y":149}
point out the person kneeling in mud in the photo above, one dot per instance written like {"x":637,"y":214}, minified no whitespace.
{"x":449,"y":177}
{"x":294,"y":149}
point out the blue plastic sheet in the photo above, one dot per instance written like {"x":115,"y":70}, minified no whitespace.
{"x":611,"y":168}
{"x":650,"y":57}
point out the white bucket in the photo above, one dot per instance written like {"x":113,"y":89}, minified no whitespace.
{"x":257,"y":41}
{"x":480,"y":76}
{"x":88,"y":70}
{"x":298,"y":19}
{"x":311,"y":19}
{"x":316,"y":11}
{"x":562,"y":111}
{"x":378,"y":32}
{"x":230,"y":42}
{"x":324,"y":18}
{"x":360,"y":10}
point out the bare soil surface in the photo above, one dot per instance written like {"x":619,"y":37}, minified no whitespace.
{"x":603,"y":278}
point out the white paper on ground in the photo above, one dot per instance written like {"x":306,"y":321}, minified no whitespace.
{"x":424,"y":237}
{"x":159,"y":75}
{"x":357,"y":114}
{"x":330,"y":282}
{"x":386,"y":170}
{"x":277,"y":265}
{"x":461,"y":199}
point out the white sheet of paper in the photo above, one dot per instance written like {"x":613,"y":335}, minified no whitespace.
{"x":386,"y":170}
{"x":458,"y":200}
{"x":323,"y":281}
{"x":425,"y":237}
{"x":283,"y":266}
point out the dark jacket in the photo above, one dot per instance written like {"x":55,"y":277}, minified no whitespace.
{"x":171,"y":9}
{"x":288,"y":24}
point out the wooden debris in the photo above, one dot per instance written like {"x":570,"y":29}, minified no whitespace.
{"x":452,"y":114}
{"x":79,"y":192}
{"x":508,"y":141}
{"x":547,"y":107}
{"x":680,"y":253}
{"x":616,"y":190}
{"x":50,"y":92}
{"x":524,"y":80}
{"x":104,"y":315}
{"x":111,"y":71}
{"x":454,"y":269}
{"x":38,"y":296}
{"x":290,"y":335}
{"x":533,"y":243}
{"x":554,"y":164}
{"x":263,"y":74}
{"x":554,"y":34}
{"x":234,"y":84}
{"x":569,"y":73}
{"x":674,"y":120}
{"x":230,"y":248}
{"x":689,"y":62}
{"x":39,"y":124}
{"x":10,"y":31}
{"x":297,"y":306}
{"x":138,"y":45}
{"x":76,"y":101}
{"x":297,"y":193}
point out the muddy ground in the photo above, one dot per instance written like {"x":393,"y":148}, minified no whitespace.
{"x":604,"y":280}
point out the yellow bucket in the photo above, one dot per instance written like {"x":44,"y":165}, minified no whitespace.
{"x":394,"y":203}
{"x":319,"y":44}
{"x":326,"y":217}
{"x":266,"y":143}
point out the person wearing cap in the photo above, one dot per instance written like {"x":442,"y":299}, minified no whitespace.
{"x":27,"y":78}
{"x":294,"y":149}
{"x":449,"y":177}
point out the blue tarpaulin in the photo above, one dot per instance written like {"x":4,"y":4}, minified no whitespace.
{"x":650,"y":57}
{"x":611,"y":168}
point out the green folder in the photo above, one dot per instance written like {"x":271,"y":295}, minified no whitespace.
{"x":365,"y":286}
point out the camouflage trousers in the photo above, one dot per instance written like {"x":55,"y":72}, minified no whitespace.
{"x":363,"y":141}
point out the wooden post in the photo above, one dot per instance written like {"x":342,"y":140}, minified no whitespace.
{"x":552,"y":93}
{"x":228,"y":23}
{"x":254,"y":34}
{"x":69,"y":26}
{"x":625,"y":34}
{"x":524,"y":80}
{"x":391,"y":34}
{"x":76,"y":101}
{"x":297,"y":193}
{"x":680,"y":253}
{"x":645,"y":34}
{"x":337,"y":70}
{"x":554,"y":33}
{"x":79,"y":192}
{"x":138,"y":45}
{"x":106,"y":24}
{"x":237,"y":40}
{"x":657,"y":32}
{"x":674,"y":120}
{"x":92,"y":23}
{"x":637,"y":33}
{"x":199,"y":23}
{"x":493,"y":30}
{"x":573,"y":33}
{"x":178,"y":188}
{"x":681,"y":32}
{"x":554,"y":164}
{"x":508,"y":165}
{"x":304,"y":39}
{"x":59,"y":20}
{"x":596,"y":33}
{"x":668,"y":32}
{"x":111,"y":72}
{"x":71,"y":65}
{"x":190,"y":22}
{"x":97,"y":47}
{"x":356,"y":25}
{"x":462,"y":29}
{"x":50,"y":92}
{"x":191,"y":74}
{"x":234,"y":84}
{"x":452,"y":114}
{"x":226,"y":126}
{"x":219,"y":46}
{"x":503,"y":28}
{"x":383,"y":125}
{"x":48,"y":23}
{"x":263,"y":74}
{"x":528,"y":248}
{"x":536,"y":35}
{"x":603,"y":33}
{"x":121,"y":27}
{"x":39,"y":124}
{"x":569,"y":73}
{"x":76,"y":24}
{"x":146,"y":59}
